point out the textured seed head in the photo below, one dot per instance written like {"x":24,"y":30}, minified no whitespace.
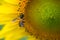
{"x":44,"y":17}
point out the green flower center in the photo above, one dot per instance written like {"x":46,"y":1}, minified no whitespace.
{"x":44,"y":15}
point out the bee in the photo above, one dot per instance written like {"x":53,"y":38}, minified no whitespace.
{"x":21,"y":23}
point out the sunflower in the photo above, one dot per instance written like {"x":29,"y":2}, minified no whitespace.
{"x":29,"y":20}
